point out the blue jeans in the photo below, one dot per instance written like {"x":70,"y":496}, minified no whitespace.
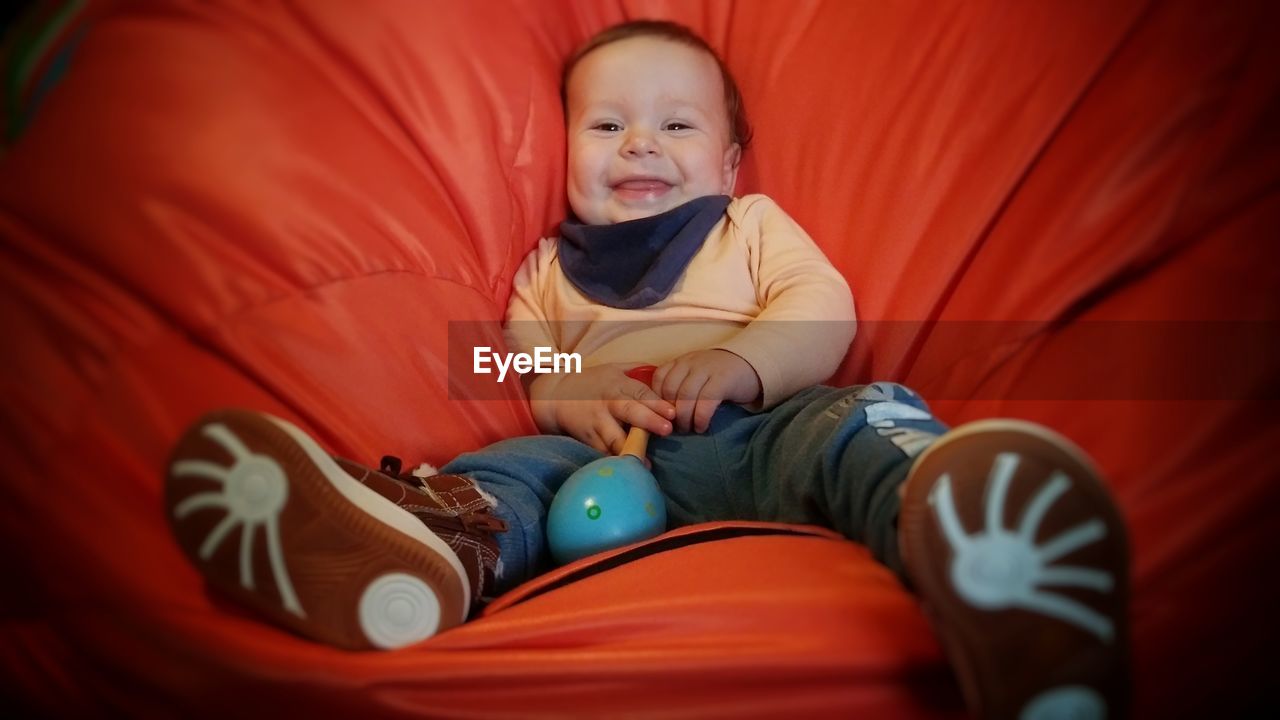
{"x":827,"y":456}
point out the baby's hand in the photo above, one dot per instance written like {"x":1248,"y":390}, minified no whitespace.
{"x":592,"y":406}
{"x":699,"y":381}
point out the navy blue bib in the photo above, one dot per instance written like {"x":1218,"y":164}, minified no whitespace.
{"x":636,"y":263}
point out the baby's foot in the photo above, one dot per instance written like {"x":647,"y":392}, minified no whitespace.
{"x":269,"y":518}
{"x":1020,"y":558}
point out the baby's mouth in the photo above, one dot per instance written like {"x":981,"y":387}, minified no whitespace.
{"x":641,"y":189}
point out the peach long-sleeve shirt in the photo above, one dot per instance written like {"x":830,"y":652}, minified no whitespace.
{"x":758,"y":287}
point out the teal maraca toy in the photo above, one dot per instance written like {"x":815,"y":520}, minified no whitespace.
{"x":607,"y":503}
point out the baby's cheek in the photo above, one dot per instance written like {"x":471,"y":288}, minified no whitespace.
{"x":581,"y":203}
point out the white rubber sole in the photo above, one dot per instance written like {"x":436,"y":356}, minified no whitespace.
{"x":397,"y":610}
{"x":377,"y":507}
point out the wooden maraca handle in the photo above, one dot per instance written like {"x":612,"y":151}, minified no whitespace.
{"x":636,"y":444}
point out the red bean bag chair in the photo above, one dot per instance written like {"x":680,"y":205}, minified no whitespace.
{"x":1056,"y":211}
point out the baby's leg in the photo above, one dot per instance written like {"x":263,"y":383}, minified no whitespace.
{"x":837,"y":457}
{"x":1011,"y":541}
{"x":523,"y":475}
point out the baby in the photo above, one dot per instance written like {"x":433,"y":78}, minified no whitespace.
{"x":1001,"y":527}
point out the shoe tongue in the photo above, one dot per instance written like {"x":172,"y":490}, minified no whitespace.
{"x":390,"y":464}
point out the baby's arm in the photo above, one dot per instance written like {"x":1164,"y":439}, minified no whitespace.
{"x":807,"y":319}
{"x":590,"y":406}
{"x":797,"y":340}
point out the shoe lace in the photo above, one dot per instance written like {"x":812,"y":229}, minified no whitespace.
{"x":472,"y":522}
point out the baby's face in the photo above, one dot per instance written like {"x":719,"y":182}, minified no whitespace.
{"x":648,"y":130}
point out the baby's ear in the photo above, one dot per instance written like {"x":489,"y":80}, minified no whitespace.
{"x":732,"y":158}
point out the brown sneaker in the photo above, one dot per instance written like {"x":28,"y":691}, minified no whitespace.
{"x":452,"y":506}
{"x":269,"y":518}
{"x":1020,"y":558}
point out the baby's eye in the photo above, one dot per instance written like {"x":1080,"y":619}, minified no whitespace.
{"x":676,"y":125}
{"x":607,"y":126}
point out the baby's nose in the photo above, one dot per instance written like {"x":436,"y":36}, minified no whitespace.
{"x":640,"y":143}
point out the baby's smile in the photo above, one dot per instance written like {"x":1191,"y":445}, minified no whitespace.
{"x":640,"y":190}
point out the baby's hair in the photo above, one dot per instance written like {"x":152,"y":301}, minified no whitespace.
{"x":739,"y":126}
